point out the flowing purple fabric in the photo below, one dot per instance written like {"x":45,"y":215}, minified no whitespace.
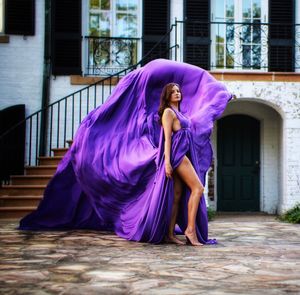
{"x":113,"y":176}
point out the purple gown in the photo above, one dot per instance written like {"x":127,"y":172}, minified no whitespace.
{"x":113,"y":176}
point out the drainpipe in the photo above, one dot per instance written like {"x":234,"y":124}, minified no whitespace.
{"x":46,"y":78}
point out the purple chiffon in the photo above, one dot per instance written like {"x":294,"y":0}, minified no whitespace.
{"x":113,"y":178}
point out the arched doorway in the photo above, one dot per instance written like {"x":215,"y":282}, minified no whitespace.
{"x":238,"y":158}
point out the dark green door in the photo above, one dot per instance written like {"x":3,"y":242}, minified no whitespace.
{"x":238,"y":163}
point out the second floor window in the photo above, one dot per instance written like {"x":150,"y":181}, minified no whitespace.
{"x":239,"y":37}
{"x":113,"y":35}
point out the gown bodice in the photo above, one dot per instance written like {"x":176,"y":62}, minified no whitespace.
{"x":185,"y":122}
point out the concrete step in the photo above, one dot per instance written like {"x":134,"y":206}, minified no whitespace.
{"x":15,"y":212}
{"x":30,"y":179}
{"x":22,"y":190}
{"x":49,"y":160}
{"x":40,"y":170}
{"x":20,"y":201}
{"x":59,"y":151}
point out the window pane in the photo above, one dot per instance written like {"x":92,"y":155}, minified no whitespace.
{"x":246,"y":34}
{"x":220,"y":55}
{"x":246,"y":56}
{"x":99,"y":53}
{"x":126,"y":25}
{"x":125,"y":52}
{"x":230,"y":33}
{"x":132,"y":5}
{"x":246,"y":8}
{"x":256,"y":38}
{"x":94,"y":4}
{"x":230,"y":9}
{"x":121,"y":4}
{"x":220,"y":11}
{"x":105,"y":18}
{"x":94,"y":25}
{"x":105,"y":4}
{"x":256,"y":9}
{"x":220,"y":34}
{"x":256,"y":56}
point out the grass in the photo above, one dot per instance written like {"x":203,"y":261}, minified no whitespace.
{"x":292,"y":215}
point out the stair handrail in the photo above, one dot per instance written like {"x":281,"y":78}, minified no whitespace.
{"x":86,"y":88}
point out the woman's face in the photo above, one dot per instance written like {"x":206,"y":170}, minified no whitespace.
{"x":175,"y":94}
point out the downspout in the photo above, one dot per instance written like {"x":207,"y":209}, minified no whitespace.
{"x":46,"y":78}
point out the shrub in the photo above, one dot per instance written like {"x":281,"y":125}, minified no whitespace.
{"x":210,"y":213}
{"x":292,"y":215}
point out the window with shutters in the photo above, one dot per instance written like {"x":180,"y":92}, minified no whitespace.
{"x":113,"y":41}
{"x":239,"y":37}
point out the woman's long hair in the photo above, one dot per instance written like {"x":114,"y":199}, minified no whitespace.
{"x":165,"y":99}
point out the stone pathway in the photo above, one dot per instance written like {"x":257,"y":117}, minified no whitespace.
{"x":255,"y":255}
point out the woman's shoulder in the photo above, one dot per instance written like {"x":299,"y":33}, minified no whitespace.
{"x":168,"y":111}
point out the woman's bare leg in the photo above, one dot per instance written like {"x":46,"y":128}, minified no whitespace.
{"x":177,"y":195}
{"x":188,"y":174}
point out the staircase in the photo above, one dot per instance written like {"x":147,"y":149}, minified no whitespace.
{"x":24,"y":192}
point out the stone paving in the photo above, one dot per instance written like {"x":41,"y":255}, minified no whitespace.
{"x":255,"y":255}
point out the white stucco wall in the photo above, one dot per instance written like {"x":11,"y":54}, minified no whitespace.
{"x":21,"y":64}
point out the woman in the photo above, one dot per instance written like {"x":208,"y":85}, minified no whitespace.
{"x":172,"y":121}
{"x":113,"y":177}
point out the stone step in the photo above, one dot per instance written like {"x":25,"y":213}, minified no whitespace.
{"x":20,"y":201}
{"x":59,"y":151}
{"x":22,"y":190}
{"x":40,"y":170}
{"x":15,"y":212}
{"x":49,"y":160}
{"x":30,"y":179}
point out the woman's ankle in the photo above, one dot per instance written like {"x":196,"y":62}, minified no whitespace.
{"x":190,"y":231}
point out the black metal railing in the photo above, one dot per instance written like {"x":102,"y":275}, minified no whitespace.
{"x":110,"y":55}
{"x":242,"y":45}
{"x":65,"y":115}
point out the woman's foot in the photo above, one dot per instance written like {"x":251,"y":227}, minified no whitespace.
{"x":173,"y":240}
{"x":191,"y":238}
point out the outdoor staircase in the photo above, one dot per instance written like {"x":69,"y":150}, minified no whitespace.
{"x":24,"y":192}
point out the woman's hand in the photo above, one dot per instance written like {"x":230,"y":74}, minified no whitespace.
{"x":169,"y":170}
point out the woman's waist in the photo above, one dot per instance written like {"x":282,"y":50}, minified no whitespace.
{"x":187,"y":128}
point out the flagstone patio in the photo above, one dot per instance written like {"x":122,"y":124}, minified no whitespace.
{"x":256,"y":254}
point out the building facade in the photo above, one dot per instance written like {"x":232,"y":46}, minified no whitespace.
{"x":50,"y":49}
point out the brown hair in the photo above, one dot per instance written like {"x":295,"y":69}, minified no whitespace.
{"x":165,"y":98}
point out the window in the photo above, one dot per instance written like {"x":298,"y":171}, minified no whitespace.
{"x":113,"y":35}
{"x":239,"y":35}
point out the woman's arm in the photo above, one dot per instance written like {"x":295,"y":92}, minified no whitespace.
{"x":167,"y":123}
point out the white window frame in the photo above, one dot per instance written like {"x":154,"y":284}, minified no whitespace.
{"x":85,"y":30}
{"x":2,"y":17}
{"x":238,"y":17}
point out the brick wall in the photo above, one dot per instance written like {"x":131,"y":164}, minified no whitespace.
{"x":21,"y":64}
{"x":277,"y":106}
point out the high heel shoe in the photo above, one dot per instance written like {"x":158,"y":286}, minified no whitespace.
{"x":188,"y":242}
